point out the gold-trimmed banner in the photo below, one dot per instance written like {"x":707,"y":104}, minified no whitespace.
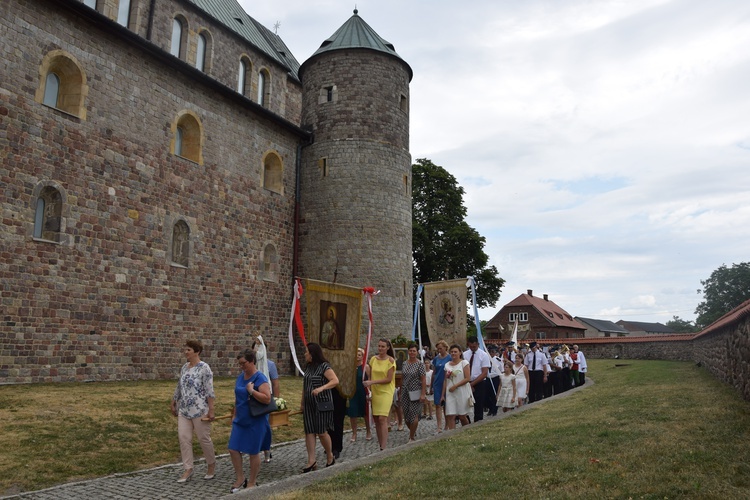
{"x":445,"y":311}
{"x":334,"y":316}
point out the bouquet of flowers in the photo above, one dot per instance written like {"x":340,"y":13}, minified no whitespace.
{"x":280,"y":403}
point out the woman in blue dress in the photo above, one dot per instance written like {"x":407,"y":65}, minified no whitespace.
{"x":250,"y":434}
{"x":438,"y":377}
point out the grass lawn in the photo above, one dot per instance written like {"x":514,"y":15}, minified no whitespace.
{"x":650,"y":429}
{"x":55,"y":433}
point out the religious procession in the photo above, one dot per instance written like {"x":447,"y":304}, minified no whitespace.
{"x":449,"y":376}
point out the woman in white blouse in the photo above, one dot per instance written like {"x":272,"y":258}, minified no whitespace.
{"x":194,"y":399}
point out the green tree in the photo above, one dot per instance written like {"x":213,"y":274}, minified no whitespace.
{"x":681,"y":326}
{"x":725,"y":289}
{"x":444,"y":245}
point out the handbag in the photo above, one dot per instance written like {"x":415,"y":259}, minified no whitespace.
{"x":324,"y":405}
{"x":415,"y":395}
{"x":258,"y":409}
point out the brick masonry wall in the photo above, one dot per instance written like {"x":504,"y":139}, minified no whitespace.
{"x":356,"y":219}
{"x":107,"y":304}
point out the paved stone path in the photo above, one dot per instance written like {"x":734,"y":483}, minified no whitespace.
{"x":282,"y":473}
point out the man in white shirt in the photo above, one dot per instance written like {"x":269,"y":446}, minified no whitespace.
{"x":479,"y":365}
{"x":538,"y":366}
{"x":582,"y":368}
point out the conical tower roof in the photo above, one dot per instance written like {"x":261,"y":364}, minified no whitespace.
{"x":357,"y":34}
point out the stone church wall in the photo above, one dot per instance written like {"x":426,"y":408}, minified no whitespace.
{"x":106,"y":302}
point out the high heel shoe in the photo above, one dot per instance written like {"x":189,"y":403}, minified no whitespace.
{"x":241,"y":487}
{"x":310,"y":468}
{"x":186,"y":478}
{"x":332,"y":462}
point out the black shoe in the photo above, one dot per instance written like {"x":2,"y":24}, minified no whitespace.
{"x":312,"y":467}
{"x":235,"y":489}
{"x":336,"y":454}
{"x":333,"y":462}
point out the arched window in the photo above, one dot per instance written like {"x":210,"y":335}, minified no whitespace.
{"x":51,"y":90}
{"x":270,"y":263}
{"x":48,"y":214}
{"x":264,"y":85}
{"x":200,"y":56}
{"x":178,"y":141}
{"x":241,"y":77}
{"x":62,"y":83}
{"x":244,"y":76}
{"x":187,"y":141}
{"x":123,"y":12}
{"x":181,"y":244}
{"x":273,"y":170}
{"x":179,"y":37}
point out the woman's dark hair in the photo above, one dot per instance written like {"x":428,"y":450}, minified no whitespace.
{"x":316,"y":354}
{"x":412,"y":344}
{"x":390,"y":347}
{"x":456,"y":346}
{"x":195,"y":345}
{"x":249,"y":356}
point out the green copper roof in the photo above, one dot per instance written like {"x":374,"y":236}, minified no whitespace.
{"x":357,"y":34}
{"x":230,"y":14}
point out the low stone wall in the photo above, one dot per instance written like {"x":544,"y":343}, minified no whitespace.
{"x":723,"y":349}
{"x":726,"y":354}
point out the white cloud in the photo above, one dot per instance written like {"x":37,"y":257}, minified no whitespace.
{"x":603,"y":144}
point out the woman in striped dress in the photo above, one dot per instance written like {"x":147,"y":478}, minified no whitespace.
{"x":413,"y":388}
{"x":319,"y":380}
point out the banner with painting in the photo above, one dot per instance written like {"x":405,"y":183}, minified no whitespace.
{"x":334,"y":315}
{"x":445,"y":311}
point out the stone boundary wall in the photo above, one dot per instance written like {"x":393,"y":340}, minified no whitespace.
{"x":723,"y":349}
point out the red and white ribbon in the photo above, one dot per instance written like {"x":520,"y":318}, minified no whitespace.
{"x":296,"y":317}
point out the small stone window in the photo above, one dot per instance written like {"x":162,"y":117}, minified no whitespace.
{"x":269,"y":263}
{"x":48,"y":215}
{"x":187,"y":141}
{"x":181,"y":244}
{"x":404,"y":104}
{"x":178,"y":46}
{"x":123,"y":12}
{"x":323,"y":166}
{"x":62,"y":84}
{"x":264,"y":87}
{"x":273,"y":172}
{"x":245,"y":76}
{"x":328,"y":93}
{"x":203,"y":51}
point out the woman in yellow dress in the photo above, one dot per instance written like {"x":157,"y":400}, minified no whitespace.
{"x":381,"y":379}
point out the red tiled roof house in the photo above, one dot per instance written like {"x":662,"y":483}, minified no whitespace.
{"x":538,"y":318}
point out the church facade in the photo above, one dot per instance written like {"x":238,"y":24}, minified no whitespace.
{"x":168,"y":168}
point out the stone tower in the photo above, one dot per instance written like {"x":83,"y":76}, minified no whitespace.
{"x":355,"y":215}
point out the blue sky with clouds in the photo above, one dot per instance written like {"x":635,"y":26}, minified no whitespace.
{"x":604,"y":145}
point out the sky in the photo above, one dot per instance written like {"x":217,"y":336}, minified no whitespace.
{"x":603,"y":145}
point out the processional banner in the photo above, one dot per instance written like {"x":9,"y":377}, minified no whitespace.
{"x":523,"y":330}
{"x":334,"y":315}
{"x":445,"y":311}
